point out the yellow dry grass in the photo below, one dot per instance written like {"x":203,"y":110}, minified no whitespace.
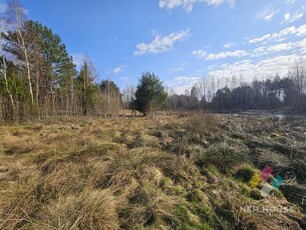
{"x":128,"y":173}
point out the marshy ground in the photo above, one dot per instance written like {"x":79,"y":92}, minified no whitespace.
{"x":176,"y":171}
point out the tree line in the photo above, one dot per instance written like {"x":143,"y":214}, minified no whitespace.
{"x":38,"y":77}
{"x":287,"y":94}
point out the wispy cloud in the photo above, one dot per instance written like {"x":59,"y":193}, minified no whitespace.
{"x":267,"y":14}
{"x":229,"y":45}
{"x":298,"y":47}
{"x":124,"y":79}
{"x":200,"y":53}
{"x":280,"y":36}
{"x":289,"y":2}
{"x":289,"y":18}
{"x":177,"y":69}
{"x":161,"y":44}
{"x":182,"y":83}
{"x":249,"y":69}
{"x":188,"y":4}
{"x":180,"y":89}
{"x":273,"y":59}
{"x":211,"y":57}
{"x":186,"y":79}
{"x":119,"y":69}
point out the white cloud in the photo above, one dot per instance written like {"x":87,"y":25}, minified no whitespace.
{"x":229,"y":45}
{"x":303,"y":46}
{"x":181,"y":89}
{"x":261,"y":69}
{"x":274,"y":48}
{"x":260,"y":39}
{"x":269,"y":61}
{"x":161,"y":44}
{"x":186,"y":79}
{"x":123,"y":78}
{"x":222,"y":55}
{"x":292,"y":17}
{"x":287,"y":17}
{"x":211,"y":67}
{"x":289,"y":2}
{"x":297,"y":16}
{"x":200,"y":53}
{"x":182,"y":83}
{"x":3,"y":8}
{"x":211,"y":57}
{"x":301,"y":31}
{"x":188,"y":4}
{"x":280,"y":36}
{"x":177,"y":69}
{"x":267,"y":14}
{"x":297,"y":47}
{"x":119,"y":69}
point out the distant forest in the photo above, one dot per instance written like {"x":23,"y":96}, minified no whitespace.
{"x":39,"y":79}
{"x":287,"y":94}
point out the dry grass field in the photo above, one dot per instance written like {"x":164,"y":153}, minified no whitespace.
{"x":175,"y":171}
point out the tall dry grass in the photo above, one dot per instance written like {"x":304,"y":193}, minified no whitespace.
{"x":171,"y":172}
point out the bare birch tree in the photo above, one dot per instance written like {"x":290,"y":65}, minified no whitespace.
{"x":3,"y":28}
{"x":17,"y":17}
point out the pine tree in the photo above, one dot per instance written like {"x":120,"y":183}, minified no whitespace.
{"x":150,"y":94}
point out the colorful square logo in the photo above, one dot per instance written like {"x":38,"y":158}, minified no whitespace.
{"x":262,"y":179}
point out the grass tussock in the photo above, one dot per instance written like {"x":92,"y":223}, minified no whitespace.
{"x":150,"y":207}
{"x":222,"y":156}
{"x":176,"y":171}
{"x":20,"y":145}
{"x":88,"y":210}
{"x":200,"y":124}
{"x":134,"y":166}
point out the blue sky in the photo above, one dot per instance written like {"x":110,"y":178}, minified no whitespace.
{"x":181,"y":41}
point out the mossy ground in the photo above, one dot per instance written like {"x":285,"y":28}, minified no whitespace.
{"x":174,"y":171}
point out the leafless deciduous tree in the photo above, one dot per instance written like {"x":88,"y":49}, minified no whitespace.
{"x":17,"y":17}
{"x":3,"y":29}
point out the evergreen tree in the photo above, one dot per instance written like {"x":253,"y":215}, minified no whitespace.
{"x":150,"y":94}
{"x":87,"y":90}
